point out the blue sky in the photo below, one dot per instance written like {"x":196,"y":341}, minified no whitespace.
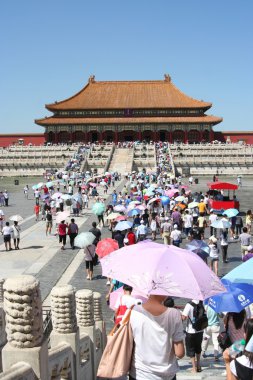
{"x":49,"y":49}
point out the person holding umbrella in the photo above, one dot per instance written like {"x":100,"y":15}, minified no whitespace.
{"x":72,"y":232}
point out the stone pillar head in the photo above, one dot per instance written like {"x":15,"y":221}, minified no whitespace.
{"x":98,"y":315}
{"x":84,"y":308}
{"x":23,"y":311}
{"x":63,"y":308}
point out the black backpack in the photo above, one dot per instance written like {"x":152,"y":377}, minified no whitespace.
{"x":199,"y":317}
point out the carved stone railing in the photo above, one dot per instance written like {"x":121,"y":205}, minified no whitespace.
{"x":76,"y":342}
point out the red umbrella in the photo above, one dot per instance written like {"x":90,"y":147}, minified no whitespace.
{"x":106,"y":246}
{"x":121,"y":217}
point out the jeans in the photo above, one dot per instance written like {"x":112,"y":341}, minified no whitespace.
{"x":211,"y":332}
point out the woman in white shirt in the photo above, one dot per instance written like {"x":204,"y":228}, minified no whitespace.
{"x":158,"y":337}
{"x":16,"y":234}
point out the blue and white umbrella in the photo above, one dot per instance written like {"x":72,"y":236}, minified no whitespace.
{"x":199,"y":247}
{"x":231,"y":212}
{"x":134,"y":212}
{"x":122,"y":226}
{"x":236,"y":298}
{"x":219,"y":223}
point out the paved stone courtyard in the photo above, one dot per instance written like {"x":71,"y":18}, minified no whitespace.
{"x":40,"y":255}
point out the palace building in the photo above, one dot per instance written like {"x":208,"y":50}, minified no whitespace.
{"x":129,"y":111}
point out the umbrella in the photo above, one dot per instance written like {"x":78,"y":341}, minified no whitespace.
{"x":236,"y":298}
{"x":231,"y":212}
{"x":134,"y":203}
{"x":16,"y":218}
{"x":98,"y":208}
{"x":113,"y":215}
{"x":65,"y":197}
{"x":122,"y":226}
{"x":62,"y":216}
{"x":200,"y":247}
{"x":134,"y":212}
{"x":121,"y":217}
{"x":119,"y":208}
{"x":49,"y":184}
{"x":77,"y":197}
{"x":242,"y":273}
{"x":93,"y":184}
{"x":156,"y":199}
{"x":45,"y":196}
{"x":219,"y":223}
{"x":40,"y":184}
{"x":106,"y":246}
{"x":165,"y":200}
{"x":65,"y":176}
{"x":56,"y":195}
{"x":152,"y":268}
{"x":193,"y":204}
{"x":103,"y":183}
{"x":119,"y":292}
{"x":180,"y":198}
{"x":84,"y":239}
{"x":35,"y":187}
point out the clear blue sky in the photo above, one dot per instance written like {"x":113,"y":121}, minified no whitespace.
{"x":49,"y":48}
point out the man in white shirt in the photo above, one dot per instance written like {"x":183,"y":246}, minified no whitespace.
{"x":7,"y":232}
{"x":141,"y":232}
{"x":188,"y":221}
{"x":176,"y":236}
{"x":166,"y":231}
{"x":212,"y":218}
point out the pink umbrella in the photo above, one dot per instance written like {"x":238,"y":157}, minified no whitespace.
{"x":119,"y":208}
{"x":119,"y":292}
{"x":152,"y":268}
{"x":106,"y":246}
{"x":121,"y":217}
{"x":184,"y":187}
{"x":93,"y":184}
{"x":171,"y":193}
{"x":156,"y":199}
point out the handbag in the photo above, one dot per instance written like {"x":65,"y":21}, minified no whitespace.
{"x":117,"y":355}
{"x":224,"y":339}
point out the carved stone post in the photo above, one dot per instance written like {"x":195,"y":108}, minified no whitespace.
{"x":85,"y":320}
{"x":63,"y":308}
{"x":24,"y":325}
{"x":98,"y":316}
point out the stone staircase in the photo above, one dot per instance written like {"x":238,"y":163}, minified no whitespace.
{"x":122,"y":160}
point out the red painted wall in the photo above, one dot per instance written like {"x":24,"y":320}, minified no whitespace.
{"x":33,"y":138}
{"x":246,"y":137}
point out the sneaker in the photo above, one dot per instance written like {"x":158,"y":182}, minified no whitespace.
{"x":204,"y":355}
{"x":108,"y":283}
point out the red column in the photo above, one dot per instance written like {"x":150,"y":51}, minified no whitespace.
{"x":170,"y":137}
{"x":116,"y":137}
{"x":185,"y":136}
{"x":140,"y":136}
{"x":56,"y":136}
{"x":201,"y":135}
{"x":100,"y":137}
{"x":155,"y":136}
{"x":211,"y":135}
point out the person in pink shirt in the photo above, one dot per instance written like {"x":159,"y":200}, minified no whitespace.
{"x":62,"y":232}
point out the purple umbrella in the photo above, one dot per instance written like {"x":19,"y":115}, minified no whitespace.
{"x":152,"y":268}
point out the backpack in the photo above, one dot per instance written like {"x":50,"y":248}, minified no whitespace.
{"x":200,"y":321}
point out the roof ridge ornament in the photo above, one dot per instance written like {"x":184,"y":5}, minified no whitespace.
{"x":167,"y":78}
{"x":92,"y":79}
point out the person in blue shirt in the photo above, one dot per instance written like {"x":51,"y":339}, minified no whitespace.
{"x":114,"y":198}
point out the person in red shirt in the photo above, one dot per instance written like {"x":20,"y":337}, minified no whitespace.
{"x":131,"y":237}
{"x":36,"y":211}
{"x":62,"y":232}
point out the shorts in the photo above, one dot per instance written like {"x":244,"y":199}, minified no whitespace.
{"x":49,"y":223}
{"x":213,"y":259}
{"x":62,"y":239}
{"x":7,"y":238}
{"x":193,"y":343}
{"x":89,"y":265}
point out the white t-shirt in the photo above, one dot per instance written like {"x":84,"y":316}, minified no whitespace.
{"x":126,"y":300}
{"x":153,"y":356}
{"x":188,"y":312}
{"x":188,"y":219}
{"x":212,"y":218}
{"x":7,"y":230}
{"x":176,"y":235}
{"x":242,"y":360}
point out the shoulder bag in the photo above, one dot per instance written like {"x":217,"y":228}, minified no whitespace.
{"x":117,"y":355}
{"x":224,"y":339}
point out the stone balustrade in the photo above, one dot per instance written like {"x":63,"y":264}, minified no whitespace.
{"x":75,"y":345}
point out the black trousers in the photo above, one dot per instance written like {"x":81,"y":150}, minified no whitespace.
{"x":71,"y":239}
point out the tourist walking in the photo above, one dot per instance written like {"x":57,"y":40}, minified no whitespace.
{"x":7,"y":232}
{"x":72,"y":232}
{"x":238,"y":225}
{"x":166,"y":231}
{"x":49,"y":222}
{"x":62,"y":232}
{"x":249,"y":219}
{"x":36,"y":211}
{"x":141,"y":232}
{"x":6,"y":198}
{"x":96,"y":232}
{"x":212,"y":218}
{"x":176,"y":236}
{"x":153,"y":226}
{"x":214,"y":254}
{"x":89,"y":254}
{"x":2,"y":217}
{"x":154,"y":322}
{"x":211,"y":331}
{"x":245,"y":240}
{"x":224,"y":245}
{"x":16,"y":234}
{"x":234,"y":323}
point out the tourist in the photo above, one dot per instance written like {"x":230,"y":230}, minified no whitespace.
{"x":190,"y":180}
{"x":166,"y":231}
{"x":158,"y":340}
{"x":245,"y":240}
{"x":212,"y":218}
{"x":7,"y":231}
{"x":249,"y":219}
{"x":119,"y":237}
{"x":234,"y":322}
{"x":187,"y":222}
{"x":153,"y":226}
{"x":49,"y":222}
{"x":16,"y":234}
{"x":239,"y":180}
{"x":238,"y":225}
{"x":36,"y":211}
{"x":131,"y":237}
{"x":193,"y":338}
{"x":214,"y":254}
{"x":26,"y":189}
{"x":96,"y":232}
{"x":224,"y":245}
{"x":202,"y":207}
{"x":85,"y":199}
{"x":101,"y":219}
{"x":2,"y":202}
{"x":62,"y":232}
{"x":176,"y":217}
{"x":124,"y":302}
{"x":114,"y":197}
{"x":211,"y":331}
{"x":6,"y":198}
{"x":89,"y":253}
{"x":72,"y":232}
{"x":141,"y":231}
{"x":202,"y":224}
{"x":176,"y":236}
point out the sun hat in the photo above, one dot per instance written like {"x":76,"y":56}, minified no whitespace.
{"x":166,"y":218}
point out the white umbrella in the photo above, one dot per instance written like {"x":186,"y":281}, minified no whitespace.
{"x":66,"y":197}
{"x":56,"y":195}
{"x":180,"y":198}
{"x":113,"y":215}
{"x":40,"y":184}
{"x":16,"y":218}
{"x":221,"y":223}
{"x":65,"y":176}
{"x":193,"y":204}
{"x":62,"y":216}
{"x":84,"y":239}
{"x":122,"y":226}
{"x":119,"y":208}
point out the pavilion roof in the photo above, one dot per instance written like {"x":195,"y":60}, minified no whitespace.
{"x":129,"y":120}
{"x":128,"y":94}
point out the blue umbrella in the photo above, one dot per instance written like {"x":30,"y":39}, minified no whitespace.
{"x":236,"y":298}
{"x":241,"y":274}
{"x":49,"y":184}
{"x":165,"y":200}
{"x":134,"y":212}
{"x":230,"y":212}
{"x":98,"y":208}
{"x":199,"y":247}
{"x":219,"y":223}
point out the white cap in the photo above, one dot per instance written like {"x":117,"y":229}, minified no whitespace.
{"x":249,"y":345}
{"x":175,"y":226}
{"x":126,"y":240}
{"x":213,"y":239}
{"x":211,"y":210}
{"x":142,"y":221}
{"x":250,"y":248}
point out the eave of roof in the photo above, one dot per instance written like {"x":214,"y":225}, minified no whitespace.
{"x":128,"y":94}
{"x":130,"y":120}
